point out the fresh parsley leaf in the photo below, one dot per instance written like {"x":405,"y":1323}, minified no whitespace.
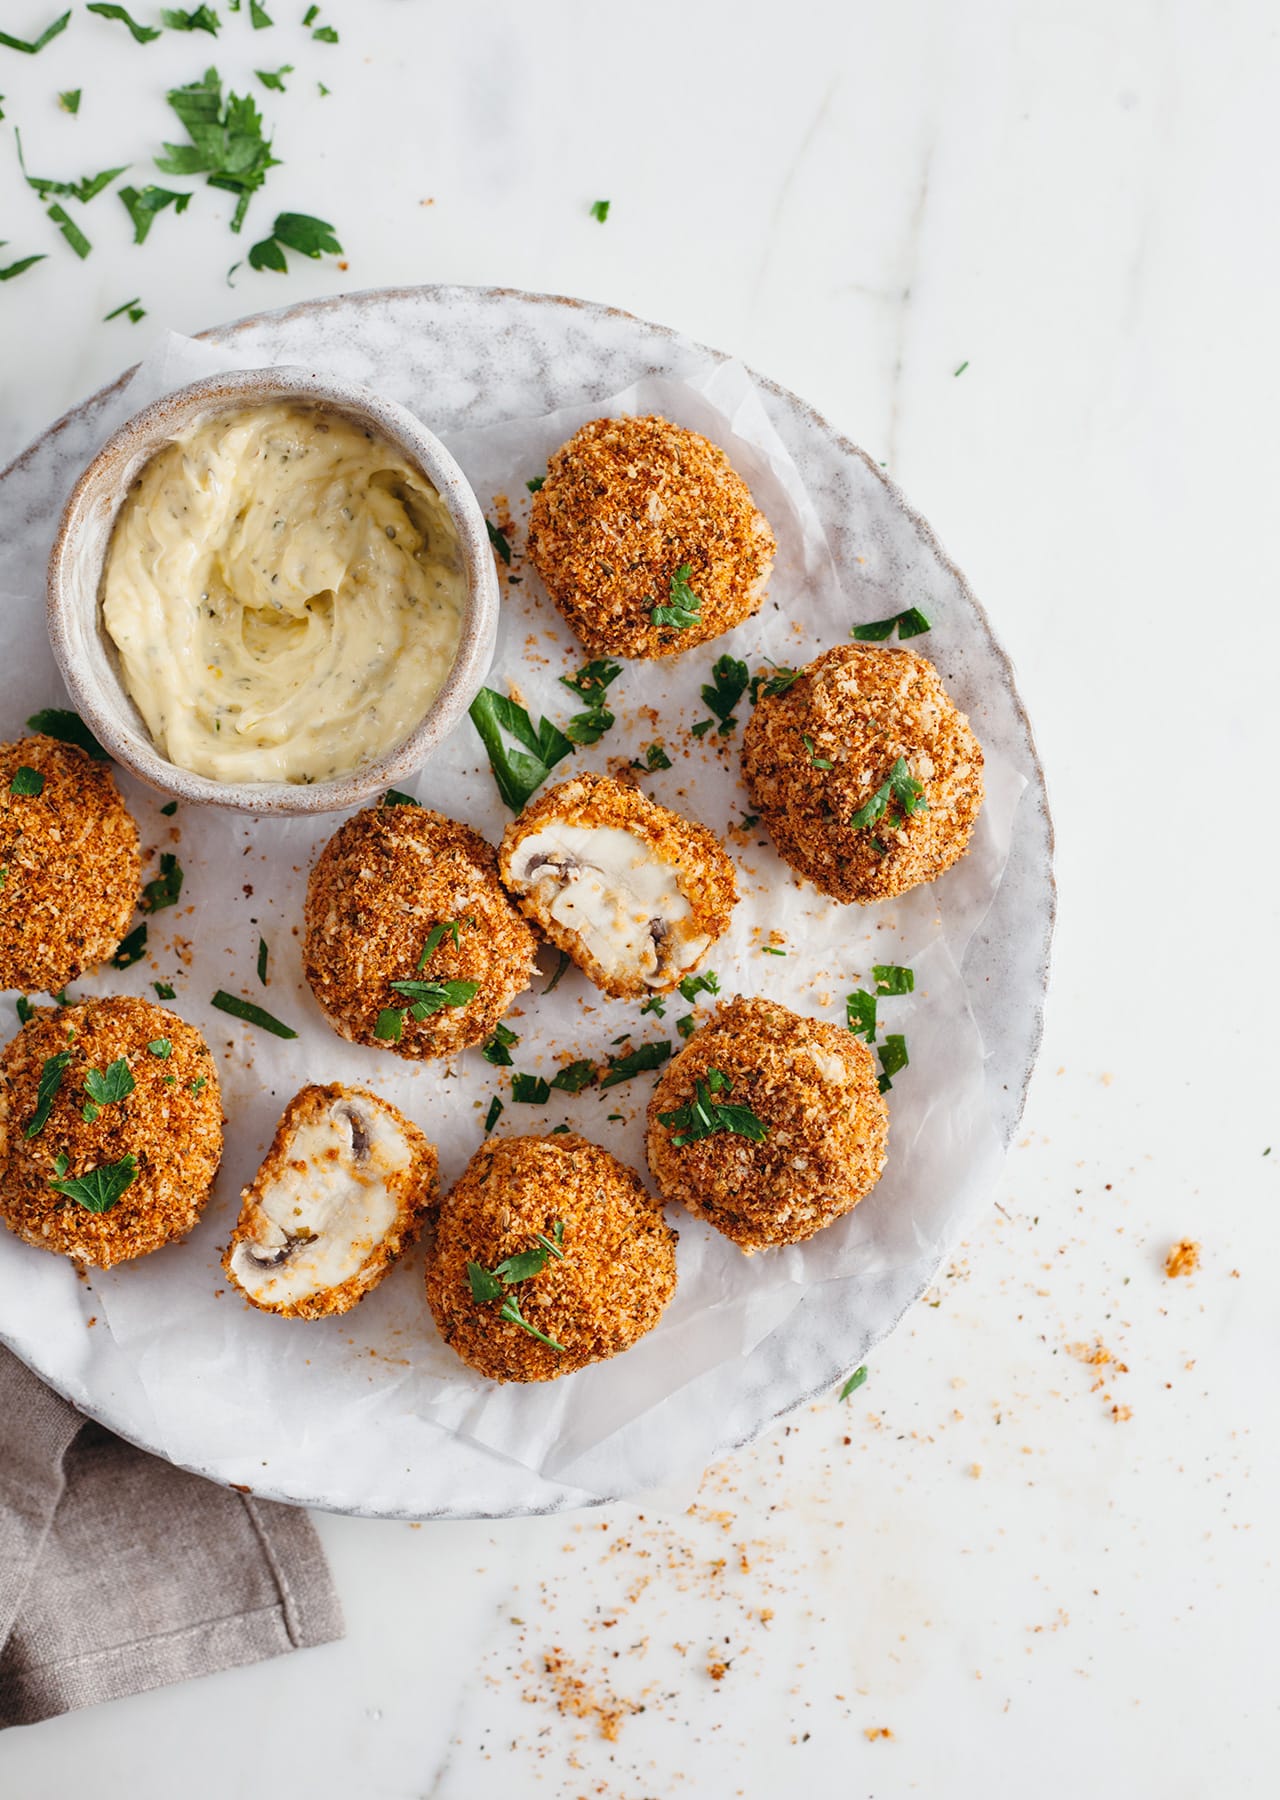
{"x":226,"y":144}
{"x":499,"y":541}
{"x":911,"y":623}
{"x":693,"y":985}
{"x":684,"y":607}
{"x":263,"y":956}
{"x":523,"y":1266}
{"x":253,"y":1015}
{"x":325,"y":35}
{"x":600,"y":210}
{"x":574,"y":1077}
{"x":687,"y":1026}
{"x":21,"y":266}
{"x":729,"y":679}
{"x":772,"y":950}
{"x":819,"y":762}
{"x":141,"y":34}
{"x":893,"y":1059}
{"x":389,"y":1024}
{"x":900,"y":790}
{"x":518,"y":773}
{"x":484,"y":1286}
{"x":27,"y":783}
{"x":536,"y":483}
{"x":259,"y":17}
{"x":168,"y":810}
{"x":438,"y":933}
{"x":561,"y":966}
{"x":770,"y":686}
{"x":498,"y":1050}
{"x":394,"y":797}
{"x":161,"y":1047}
{"x":69,"y":229}
{"x":274,"y":78}
{"x":655,"y":757}
{"x":33,"y":47}
{"x":655,"y":1004}
{"x":592,"y":679}
{"x":493,"y":1115}
{"x":312,"y":13}
{"x":143,"y":204}
{"x":510,"y":1310}
{"x":532,"y":1090}
{"x":24,"y":1008}
{"x":433,"y":996}
{"x":164,"y":990}
{"x":70,"y":101}
{"x":131,"y":949}
{"x":636,"y":1062}
{"x":55,"y":1067}
{"x":702,"y":727}
{"x":892,"y":979}
{"x":135,"y":312}
{"x":166,"y":887}
{"x":97,"y":1190}
{"x":963,"y":366}
{"x":106,"y":1086}
{"x":203,"y":18}
{"x":294,"y":231}
{"x":589,"y":727}
{"x":854,"y":1382}
{"x":705,"y":1115}
{"x":860,"y":1014}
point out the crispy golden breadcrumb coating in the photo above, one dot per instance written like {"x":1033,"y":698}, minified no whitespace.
{"x":617,"y":1272}
{"x":644,"y":916}
{"x":862,"y":707}
{"x":813,"y":1085}
{"x":170,"y":1121}
{"x":380,"y":884}
{"x":72,"y":869}
{"x":625,"y":504}
{"x":339,"y":1198}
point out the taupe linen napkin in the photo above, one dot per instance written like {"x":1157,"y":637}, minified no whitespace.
{"x":119,"y":1572}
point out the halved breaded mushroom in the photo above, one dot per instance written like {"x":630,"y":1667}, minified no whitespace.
{"x":647,"y":538}
{"x":634,"y":893}
{"x":72,"y":868}
{"x":340,"y":1195}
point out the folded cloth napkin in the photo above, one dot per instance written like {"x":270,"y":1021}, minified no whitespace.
{"x":119,"y":1572}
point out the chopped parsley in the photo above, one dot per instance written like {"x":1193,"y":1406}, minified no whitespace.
{"x":70,"y":101}
{"x":434,"y":996}
{"x":693,"y":985}
{"x":294,"y":231}
{"x":819,"y":762}
{"x":655,"y":1004}
{"x":438,"y":933}
{"x":561,"y":966}
{"x":963,"y":366}
{"x":25,"y":1009}
{"x":164,"y":990}
{"x":97,"y":1190}
{"x":259,"y":17}
{"x":144,"y":204}
{"x":636,"y":1062}
{"x":574,"y":1077}
{"x":141,"y":34}
{"x":161,"y":1047}
{"x":55,"y":1067}
{"x":499,"y":541}
{"x":68,"y":727}
{"x":772,"y":950}
{"x":683,"y":608}
{"x":600,"y":210}
{"x":536,"y":483}
{"x":70,"y":230}
{"x":860,"y":1014}
{"x":493,"y":1115}
{"x":169,"y":810}
{"x":772,"y":685}
{"x":900,"y":790}
{"x":251,"y":1014}
{"x":21,"y":266}
{"x":498,"y":1050}
{"x":136,"y":312}
{"x":854,"y":1382}
{"x":263,"y":956}
{"x":165,"y":889}
{"x":27,"y":783}
{"x":688,"y":1025}
{"x":590,"y":684}
{"x":32,"y":47}
{"x":274,"y":78}
{"x":107,"y":1086}
{"x":226,"y":144}
{"x":729,"y":682}
{"x":202,"y":18}
{"x":893,"y":1058}
{"x":892,"y":979}
{"x":394,"y":797}
{"x":325,"y":35}
{"x":655,"y":757}
{"x":131,"y":949}
{"x":911,"y":623}
{"x":530,"y":1090}
{"x":518,"y":773}
{"x":487,"y":1285}
{"x":705,"y":1115}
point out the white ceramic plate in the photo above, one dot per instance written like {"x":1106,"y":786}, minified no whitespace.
{"x":468,"y":358}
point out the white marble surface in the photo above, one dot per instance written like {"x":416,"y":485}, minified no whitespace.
{"x":1038,"y":1573}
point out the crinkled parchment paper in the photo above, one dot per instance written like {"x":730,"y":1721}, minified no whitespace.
{"x":227,"y":1384}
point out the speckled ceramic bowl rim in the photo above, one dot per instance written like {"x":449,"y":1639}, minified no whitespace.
{"x":75,"y":577}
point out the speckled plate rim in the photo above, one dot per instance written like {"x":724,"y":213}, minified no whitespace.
{"x":1036,"y":797}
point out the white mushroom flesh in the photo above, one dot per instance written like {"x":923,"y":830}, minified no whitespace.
{"x":608,"y":888}
{"x":326,"y":1208}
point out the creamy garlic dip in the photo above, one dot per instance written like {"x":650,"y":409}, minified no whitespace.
{"x":286,"y":593}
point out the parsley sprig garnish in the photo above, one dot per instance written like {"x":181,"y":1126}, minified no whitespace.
{"x":106,"y":1087}
{"x":97,"y":1190}
{"x":705,"y":1115}
{"x":772,"y":685}
{"x":488,"y":1285}
{"x":590,"y":684}
{"x":892,"y":980}
{"x":143,"y":206}
{"x":900,"y":789}
{"x":683,"y":607}
{"x":911,"y":623}
{"x":294,"y":231}
{"x":165,"y":888}
{"x":519,"y":773}
{"x":426,"y":997}
{"x":636,"y":1062}
{"x":227,"y":143}
{"x":498,"y":1050}
{"x":69,"y":728}
{"x":729,"y":682}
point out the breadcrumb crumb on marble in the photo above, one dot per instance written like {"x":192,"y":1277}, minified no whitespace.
{"x":339,"y":1198}
{"x":170,"y":1121}
{"x":813,"y":1085}
{"x":625,"y":504}
{"x":72,"y":869}
{"x":1183,"y":1258}
{"x":382,"y":881}
{"x":859,"y":708}
{"x":610,"y":1286}
{"x":637,"y":913}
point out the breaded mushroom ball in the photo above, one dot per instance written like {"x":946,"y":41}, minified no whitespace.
{"x":110,"y":1129}
{"x":768,"y":1125}
{"x":72,"y":869}
{"x":637,"y":514}
{"x":411,"y":943}
{"x":634,"y":893}
{"x":547,"y":1238}
{"x":867,"y":777}
{"x":339,"y":1197}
